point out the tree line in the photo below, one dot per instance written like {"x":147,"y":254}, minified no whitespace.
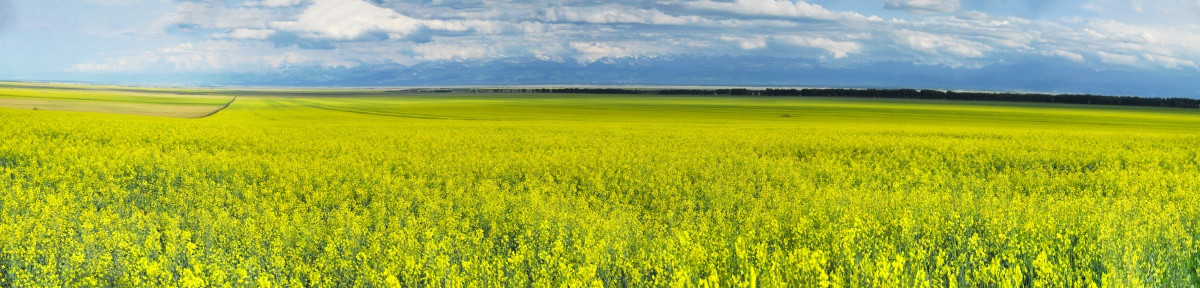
{"x":897,"y":94}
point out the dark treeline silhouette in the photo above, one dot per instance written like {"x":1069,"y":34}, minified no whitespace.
{"x":982,"y":96}
{"x":730,"y":92}
{"x":897,"y":94}
{"x":590,"y":91}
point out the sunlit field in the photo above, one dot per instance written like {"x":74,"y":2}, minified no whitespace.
{"x":121,"y":100}
{"x":545,"y":190}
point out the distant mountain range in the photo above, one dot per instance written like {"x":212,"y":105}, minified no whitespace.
{"x":1048,"y":75}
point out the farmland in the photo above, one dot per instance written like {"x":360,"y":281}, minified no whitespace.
{"x":133,"y":101}
{"x":297,"y":189}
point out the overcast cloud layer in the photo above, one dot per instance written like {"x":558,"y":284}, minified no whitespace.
{"x":1091,"y":46}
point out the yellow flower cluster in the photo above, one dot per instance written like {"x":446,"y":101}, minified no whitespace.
{"x":602,"y":191}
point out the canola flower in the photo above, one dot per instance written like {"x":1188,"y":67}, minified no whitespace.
{"x":602,"y":191}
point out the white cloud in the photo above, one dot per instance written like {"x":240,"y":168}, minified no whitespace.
{"x":839,"y":49}
{"x":1169,"y":62}
{"x":284,"y":59}
{"x":122,"y":64}
{"x":597,"y":50}
{"x":1171,"y":47}
{"x":924,"y":6}
{"x":1112,"y":30}
{"x":201,"y":56}
{"x":613,"y":14}
{"x":431,"y":51}
{"x":346,"y":32}
{"x":1065,"y":55}
{"x":773,"y":8}
{"x":1110,"y":58}
{"x":206,"y":15}
{"x":751,"y":43}
{"x":276,"y":3}
{"x":356,"y":19}
{"x":592,"y":51}
{"x":941,"y":45}
{"x":973,"y":15}
{"x":348,"y":20}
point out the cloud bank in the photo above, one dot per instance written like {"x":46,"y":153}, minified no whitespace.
{"x":924,"y":6}
{"x":264,"y":35}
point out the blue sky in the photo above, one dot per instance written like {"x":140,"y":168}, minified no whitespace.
{"x":1084,"y":46}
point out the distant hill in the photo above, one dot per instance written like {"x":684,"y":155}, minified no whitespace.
{"x":1046,"y":75}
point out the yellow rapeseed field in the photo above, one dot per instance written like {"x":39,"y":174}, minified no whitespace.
{"x":490,"y":190}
